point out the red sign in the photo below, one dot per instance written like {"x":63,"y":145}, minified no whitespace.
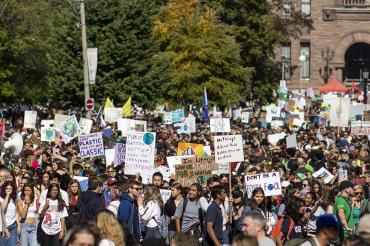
{"x":89,"y":104}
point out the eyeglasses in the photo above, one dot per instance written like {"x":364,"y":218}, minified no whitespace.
{"x":137,"y":188}
{"x":358,"y":193}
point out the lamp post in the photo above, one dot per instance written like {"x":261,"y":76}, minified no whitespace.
{"x":327,"y":55}
{"x":365,"y":76}
{"x":302,"y":59}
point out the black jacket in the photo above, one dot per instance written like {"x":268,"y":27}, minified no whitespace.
{"x":92,"y":203}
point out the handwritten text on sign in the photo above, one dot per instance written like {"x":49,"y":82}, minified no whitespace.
{"x":228,"y":148}
{"x":140,"y":148}
{"x":91,"y":145}
{"x":220,"y":124}
{"x":269,"y":182}
{"x":119,"y":153}
{"x":361,"y":128}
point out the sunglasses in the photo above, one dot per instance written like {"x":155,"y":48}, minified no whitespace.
{"x":136,"y":188}
{"x":358,"y":193}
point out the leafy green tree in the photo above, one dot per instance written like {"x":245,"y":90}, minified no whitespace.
{"x":196,"y":52}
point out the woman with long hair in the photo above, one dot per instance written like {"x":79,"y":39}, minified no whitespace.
{"x":109,"y":229}
{"x":294,"y":214}
{"x":313,"y":210}
{"x":150,"y":210}
{"x":7,"y":200}
{"x":82,"y":235}
{"x":27,"y":207}
{"x":291,"y":192}
{"x":75,"y":203}
{"x":53,"y":212}
{"x":171,"y":205}
{"x":237,"y":208}
{"x":114,"y":194}
{"x":330,"y":199}
{"x":357,"y":203}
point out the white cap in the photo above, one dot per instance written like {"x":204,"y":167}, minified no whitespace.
{"x":285,"y":184}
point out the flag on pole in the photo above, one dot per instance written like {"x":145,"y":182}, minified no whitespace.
{"x":126,"y":109}
{"x":108,"y":104}
{"x":205,"y":116}
{"x":100,"y":119}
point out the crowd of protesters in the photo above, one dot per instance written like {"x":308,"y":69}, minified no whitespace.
{"x":42,"y":203}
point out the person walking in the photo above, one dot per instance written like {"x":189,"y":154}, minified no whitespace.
{"x":254,"y":224}
{"x":92,"y":200}
{"x":343,"y":209}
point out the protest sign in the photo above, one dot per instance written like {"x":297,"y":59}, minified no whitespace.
{"x":112,"y":115}
{"x":30,"y":118}
{"x":140,"y":150}
{"x":342,"y":175}
{"x":339,"y":111}
{"x":272,"y":111}
{"x":109,"y":156}
{"x":48,"y":133}
{"x":269,"y":182}
{"x":220,"y":124}
{"x":85,"y":126}
{"x":360,"y":128}
{"x":128,"y":125}
{"x":277,"y":123}
{"x":291,"y":141}
{"x":191,"y":123}
{"x":165,"y":194}
{"x":274,"y":138}
{"x":175,"y":160}
{"x":119,"y":154}
{"x":245,"y":117}
{"x":47,"y":123}
{"x":207,"y":151}
{"x":178,"y":115}
{"x":69,"y":129}
{"x":324,"y":174}
{"x":189,"y":149}
{"x":228,"y":148}
{"x":59,"y":119}
{"x":91,"y":145}
{"x":222,"y":168}
{"x":195,"y":170}
{"x":167,"y":118}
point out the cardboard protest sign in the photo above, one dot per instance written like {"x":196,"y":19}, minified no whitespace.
{"x":175,"y":160}
{"x":195,"y":169}
{"x":228,"y":148}
{"x":128,"y":125}
{"x":59,"y":119}
{"x":165,"y":194}
{"x":220,"y":124}
{"x":69,"y":129}
{"x":222,"y":168}
{"x":85,"y":126}
{"x":140,"y":150}
{"x":167,"y":118}
{"x":269,"y":182}
{"x":189,"y":149}
{"x":30,"y":118}
{"x":91,"y":145}
{"x":109,"y":156}
{"x":361,"y":128}
{"x":339,"y":111}
{"x":112,"y":115}
{"x":119,"y":154}
{"x":324,"y":174}
{"x":178,"y":115}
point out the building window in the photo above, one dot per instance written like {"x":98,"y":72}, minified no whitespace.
{"x":287,"y":7}
{"x":285,"y":60}
{"x":305,"y":66}
{"x":306,"y":7}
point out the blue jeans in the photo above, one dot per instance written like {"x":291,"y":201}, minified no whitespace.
{"x":12,"y":240}
{"x":152,"y":233}
{"x":28,"y":235}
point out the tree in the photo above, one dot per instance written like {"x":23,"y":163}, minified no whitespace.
{"x":196,"y":52}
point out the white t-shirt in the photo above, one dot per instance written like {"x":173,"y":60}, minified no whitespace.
{"x":10,"y":212}
{"x":62,"y":193}
{"x":51,"y":224}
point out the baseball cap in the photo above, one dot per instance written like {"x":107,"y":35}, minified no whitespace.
{"x":327,"y":221}
{"x":285,"y":184}
{"x":345,"y":184}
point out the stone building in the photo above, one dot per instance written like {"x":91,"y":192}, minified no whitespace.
{"x":338,"y":46}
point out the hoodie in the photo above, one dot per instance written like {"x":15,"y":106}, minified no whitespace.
{"x":128,"y":214}
{"x":92,"y":204}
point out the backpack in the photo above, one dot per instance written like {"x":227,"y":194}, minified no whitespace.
{"x":277,"y":228}
{"x":163,"y":223}
{"x":300,"y":241}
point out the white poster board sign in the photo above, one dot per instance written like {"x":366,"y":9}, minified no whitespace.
{"x":91,"y":145}
{"x":30,"y":118}
{"x":269,"y":182}
{"x":228,"y":148}
{"x":112,"y":114}
{"x":109,"y":156}
{"x":274,"y":138}
{"x":69,"y":129}
{"x":48,"y":133}
{"x":140,"y":150}
{"x":128,"y":125}
{"x":291,"y":141}
{"x":59,"y":119}
{"x":339,"y":111}
{"x":165,"y":194}
{"x":324,"y":174}
{"x":85,"y":126}
{"x":245,"y":117}
{"x":220,"y":124}
{"x":167,"y":118}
